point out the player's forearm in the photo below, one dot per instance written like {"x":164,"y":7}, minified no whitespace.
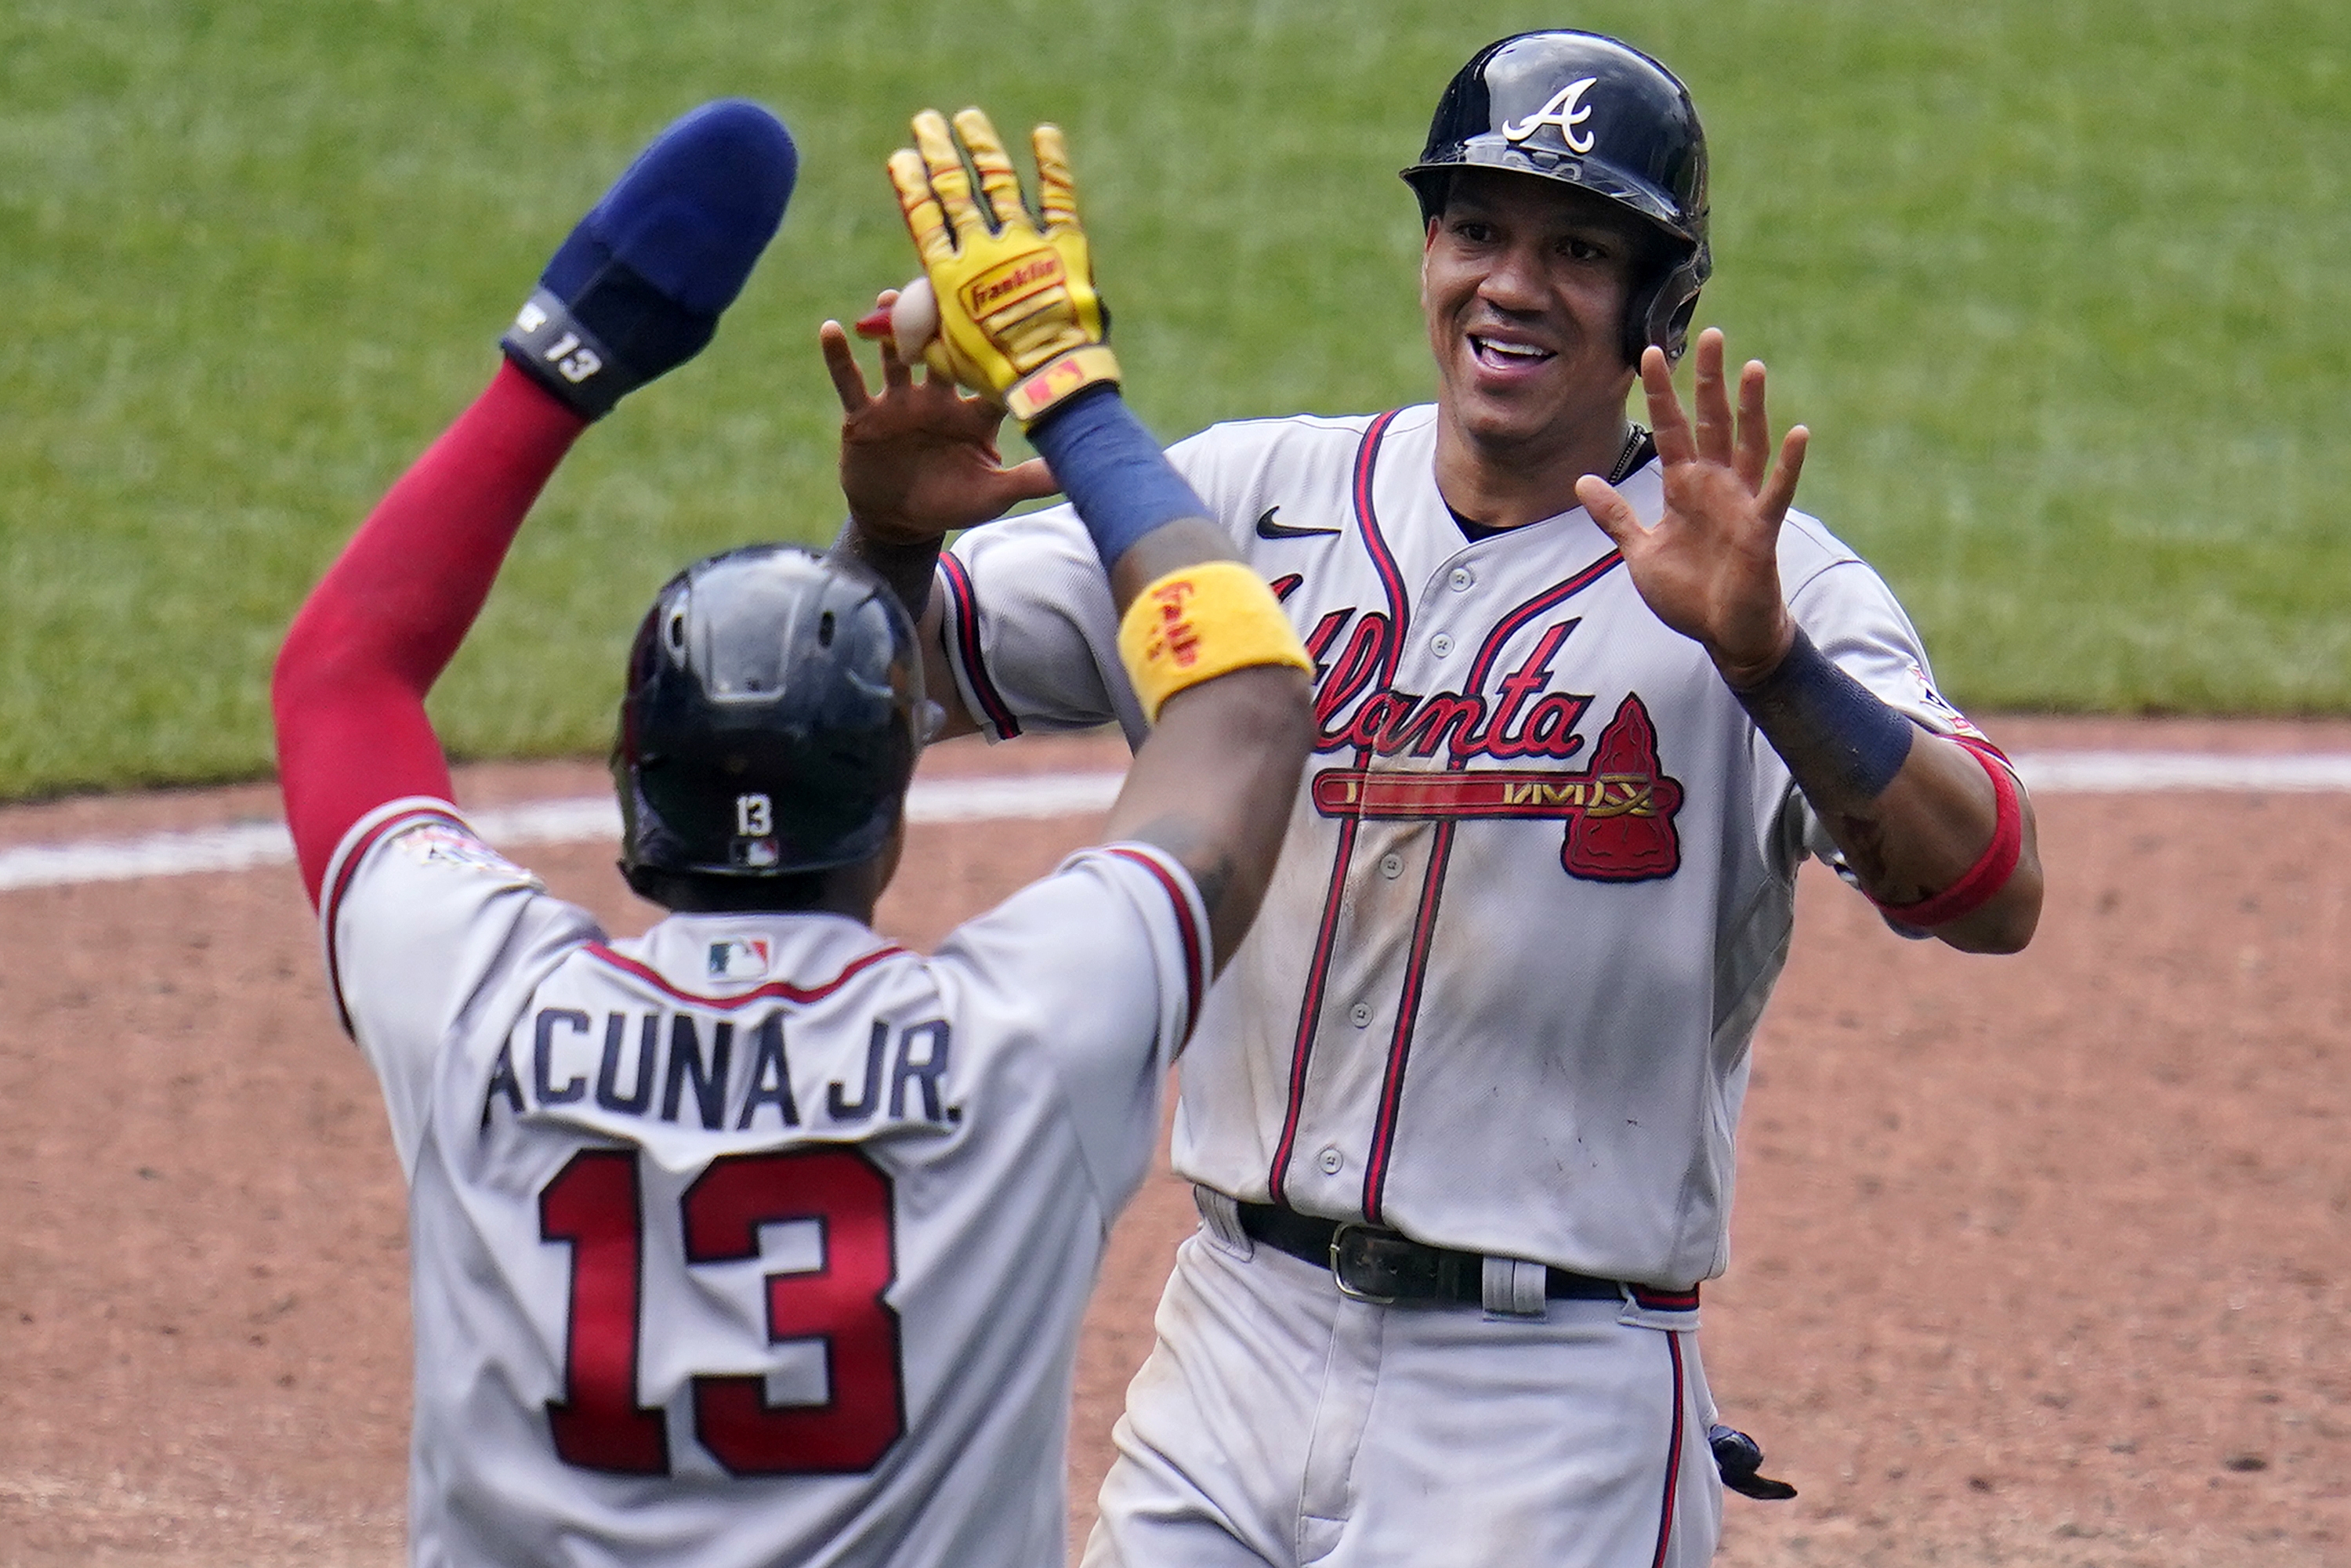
{"x":1923,"y":823}
{"x":1933,"y":826}
{"x":348,"y":691}
{"x":1249,"y":731}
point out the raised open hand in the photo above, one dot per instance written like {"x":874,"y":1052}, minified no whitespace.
{"x":921,"y":459}
{"x":1710,"y":568}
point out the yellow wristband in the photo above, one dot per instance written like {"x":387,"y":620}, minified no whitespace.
{"x":1199,"y":622}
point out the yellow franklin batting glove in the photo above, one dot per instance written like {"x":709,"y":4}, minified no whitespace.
{"x":1019,"y":316}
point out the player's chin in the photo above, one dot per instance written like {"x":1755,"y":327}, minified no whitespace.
{"x":1502,"y":416}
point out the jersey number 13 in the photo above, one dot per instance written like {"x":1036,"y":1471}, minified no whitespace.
{"x":593,"y":1205}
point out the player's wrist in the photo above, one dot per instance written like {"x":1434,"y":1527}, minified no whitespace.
{"x":1112,"y":470}
{"x":1034,"y":398}
{"x":564,"y":358}
{"x":1744,"y":670}
{"x":1842,"y":741}
{"x":907,"y":563}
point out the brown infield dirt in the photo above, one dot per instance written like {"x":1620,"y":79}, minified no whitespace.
{"x":2042,"y":1259}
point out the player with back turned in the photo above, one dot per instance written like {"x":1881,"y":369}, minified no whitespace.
{"x":758,"y":1239}
{"x":1460,"y":1115}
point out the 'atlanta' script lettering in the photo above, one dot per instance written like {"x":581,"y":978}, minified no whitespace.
{"x":1518,"y":719}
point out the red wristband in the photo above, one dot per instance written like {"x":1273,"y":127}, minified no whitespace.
{"x":1993,"y":869}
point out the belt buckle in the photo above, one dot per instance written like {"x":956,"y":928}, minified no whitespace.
{"x":1357,"y":1250}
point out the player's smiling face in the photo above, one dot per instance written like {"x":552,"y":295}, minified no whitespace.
{"x":1524,"y":283}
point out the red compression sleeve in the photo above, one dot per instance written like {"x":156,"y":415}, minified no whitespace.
{"x":372,"y":637}
{"x":1982,"y":882}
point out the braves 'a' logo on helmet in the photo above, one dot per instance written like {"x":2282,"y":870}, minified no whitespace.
{"x":1563,"y":111}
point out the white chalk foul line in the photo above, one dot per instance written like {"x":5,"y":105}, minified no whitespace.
{"x":2138,"y":772}
{"x":249,"y":844}
{"x":1046,"y":795}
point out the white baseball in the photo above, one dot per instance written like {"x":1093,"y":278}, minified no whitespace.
{"x":914,"y":320}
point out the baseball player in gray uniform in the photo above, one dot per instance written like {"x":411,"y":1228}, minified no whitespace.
{"x":1460,"y":1115}
{"x":759,"y":1240}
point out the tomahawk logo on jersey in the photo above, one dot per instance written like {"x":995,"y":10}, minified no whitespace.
{"x":1508,"y":782}
{"x":797,"y":1221}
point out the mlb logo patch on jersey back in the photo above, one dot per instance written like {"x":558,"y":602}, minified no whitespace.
{"x":741,"y":958}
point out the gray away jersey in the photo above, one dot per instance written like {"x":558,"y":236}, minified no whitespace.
{"x":1540,"y":879}
{"x":758,"y":1240}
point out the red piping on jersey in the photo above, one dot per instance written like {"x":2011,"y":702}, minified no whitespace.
{"x":1309,"y":1007}
{"x":331,"y":906}
{"x":998,"y":711}
{"x":1195,"y":966}
{"x":1550,"y":598}
{"x":1367,"y":519}
{"x":1415,"y":974}
{"x":782,"y":989}
{"x":1424,"y":926}
{"x":1673,"y":1457}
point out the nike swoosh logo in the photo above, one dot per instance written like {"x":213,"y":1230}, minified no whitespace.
{"x":1267,"y":528}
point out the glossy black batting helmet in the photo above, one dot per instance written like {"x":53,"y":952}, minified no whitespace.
{"x":773,"y":712}
{"x":1589,"y":111}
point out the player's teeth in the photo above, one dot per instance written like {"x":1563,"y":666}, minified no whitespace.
{"x":1512,"y":350}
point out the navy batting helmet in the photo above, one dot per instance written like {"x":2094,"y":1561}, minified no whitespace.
{"x":773,"y":713}
{"x":1588,"y":111}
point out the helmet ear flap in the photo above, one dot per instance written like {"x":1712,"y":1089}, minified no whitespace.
{"x":1661,"y":313}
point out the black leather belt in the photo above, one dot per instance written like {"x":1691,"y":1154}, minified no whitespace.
{"x":1374,"y":1264}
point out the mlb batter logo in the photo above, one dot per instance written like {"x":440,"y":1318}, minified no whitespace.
{"x":741,"y":958}
{"x":1959,"y":722}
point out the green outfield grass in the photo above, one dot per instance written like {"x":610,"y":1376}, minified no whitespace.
{"x":2058,"y":285}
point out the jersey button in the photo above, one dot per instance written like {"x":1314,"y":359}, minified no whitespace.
{"x":1391,"y":865}
{"x":1359,"y":1015}
{"x":1440,"y":644}
{"x":1461,"y":579}
{"x":1330,"y":1161}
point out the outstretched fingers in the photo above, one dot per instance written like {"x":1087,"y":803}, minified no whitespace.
{"x":1712,"y":398}
{"x":1668,"y":426}
{"x":895,"y":370}
{"x":1754,"y":427}
{"x":1741,"y":441}
{"x":1779,"y":492}
{"x":841,"y":364}
{"x":1611,"y":513}
{"x":1030,"y":481}
{"x":998,"y":182}
{"x":875,"y":327}
{"x":1057,"y":187}
{"x":942,"y":161}
{"x":926,"y":219}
